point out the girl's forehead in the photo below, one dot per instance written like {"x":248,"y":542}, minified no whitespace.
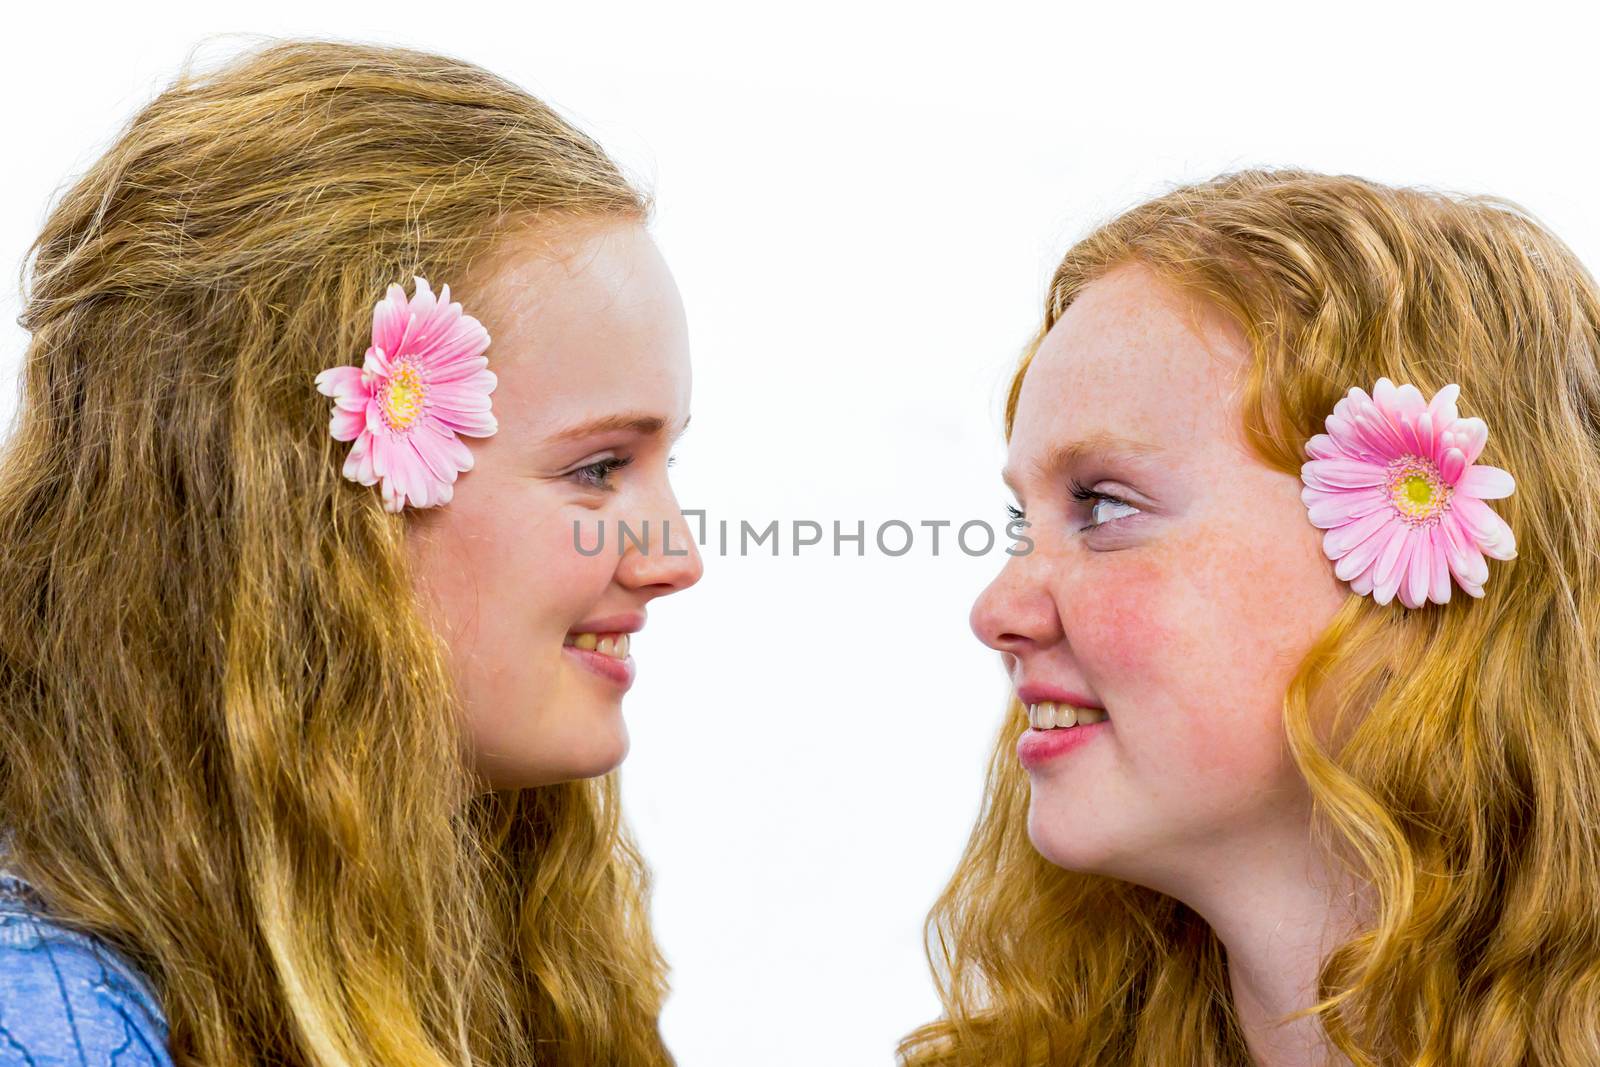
{"x":1133,"y":357}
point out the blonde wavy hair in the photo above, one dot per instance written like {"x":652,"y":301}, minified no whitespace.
{"x":228,"y":737}
{"x":1453,"y":753}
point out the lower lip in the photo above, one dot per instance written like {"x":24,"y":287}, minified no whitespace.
{"x":1038,"y":747}
{"x":618,"y":672}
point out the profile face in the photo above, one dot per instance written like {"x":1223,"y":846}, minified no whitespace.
{"x":590,"y":348}
{"x":1183,"y":611}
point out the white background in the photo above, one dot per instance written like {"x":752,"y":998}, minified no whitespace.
{"x":862,"y":207}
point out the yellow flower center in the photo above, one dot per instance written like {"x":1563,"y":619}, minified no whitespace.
{"x":1417,"y":490}
{"x":404,"y":397}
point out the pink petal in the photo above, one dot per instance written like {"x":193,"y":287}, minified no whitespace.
{"x":1442,"y":408}
{"x":346,"y":425}
{"x":1323,"y":446}
{"x":458,"y":398}
{"x":1383,"y":395}
{"x":407,"y":335}
{"x":421,"y":309}
{"x":1396,"y":402}
{"x":1312,"y":495}
{"x":1426,"y":438}
{"x":1360,"y":558}
{"x":377,"y":362}
{"x":1386,"y":398}
{"x":1414,"y":591}
{"x":457,"y":370}
{"x":389,"y":462}
{"x":441,"y":322}
{"x":389,"y":318}
{"x":1341,"y":474}
{"x":1377,"y":435}
{"x":1486,"y":483}
{"x":1490,"y":531}
{"x":1362,"y":583}
{"x":423,"y":477}
{"x":1388,"y":581}
{"x":471,"y":423}
{"x":1355,"y":397}
{"x":1439,"y":576}
{"x":485,"y":381}
{"x":358,"y":464}
{"x":419,"y":480}
{"x":447,"y":443}
{"x":1408,"y":434}
{"x":1350,"y":506}
{"x":1453,"y":465}
{"x":340,"y":381}
{"x":1346,"y":439}
{"x":1336,"y":542}
{"x":382,"y":456}
{"x":1466,"y":562}
{"x":461,"y":337}
{"x":1391,"y":558}
{"x":433,"y":457}
{"x":1475,"y":434}
{"x":1412,"y":402}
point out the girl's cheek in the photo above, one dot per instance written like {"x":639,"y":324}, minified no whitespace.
{"x":1167,"y":638}
{"x":1128,"y":624}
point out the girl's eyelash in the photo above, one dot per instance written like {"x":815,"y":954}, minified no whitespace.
{"x":597,"y":475}
{"x":1083,"y":494}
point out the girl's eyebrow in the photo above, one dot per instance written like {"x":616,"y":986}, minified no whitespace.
{"x":638,"y":422}
{"x":1102,"y":444}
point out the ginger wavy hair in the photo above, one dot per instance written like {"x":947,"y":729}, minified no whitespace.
{"x":1453,"y":752}
{"x":228,"y":736}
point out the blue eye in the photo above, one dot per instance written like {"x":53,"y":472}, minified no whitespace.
{"x":1083,"y":493}
{"x":597,"y":475}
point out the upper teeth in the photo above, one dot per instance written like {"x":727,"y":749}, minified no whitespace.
{"x":606,"y":644}
{"x":1050,"y":715}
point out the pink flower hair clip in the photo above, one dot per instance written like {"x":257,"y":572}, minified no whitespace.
{"x":1394,"y":485}
{"x":422,"y":383}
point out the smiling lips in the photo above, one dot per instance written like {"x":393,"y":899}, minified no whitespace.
{"x":602,"y":653}
{"x":1061,"y":721}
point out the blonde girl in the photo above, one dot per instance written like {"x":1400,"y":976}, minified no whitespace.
{"x":308,"y":704}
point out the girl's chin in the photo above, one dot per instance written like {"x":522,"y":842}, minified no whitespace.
{"x":1060,"y":837}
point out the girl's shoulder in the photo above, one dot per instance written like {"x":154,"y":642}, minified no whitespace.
{"x":67,"y":997}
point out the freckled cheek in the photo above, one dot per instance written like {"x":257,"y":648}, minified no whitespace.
{"x":1179,"y":648}
{"x":1121,"y":624}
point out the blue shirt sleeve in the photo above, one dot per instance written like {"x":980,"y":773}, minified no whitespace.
{"x":68,"y":1001}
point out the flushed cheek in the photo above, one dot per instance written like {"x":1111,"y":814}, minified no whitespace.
{"x":1173,"y":648}
{"x":1121,"y":625}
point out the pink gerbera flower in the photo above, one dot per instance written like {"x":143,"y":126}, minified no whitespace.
{"x":422,"y":383}
{"x":1394,"y":484}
